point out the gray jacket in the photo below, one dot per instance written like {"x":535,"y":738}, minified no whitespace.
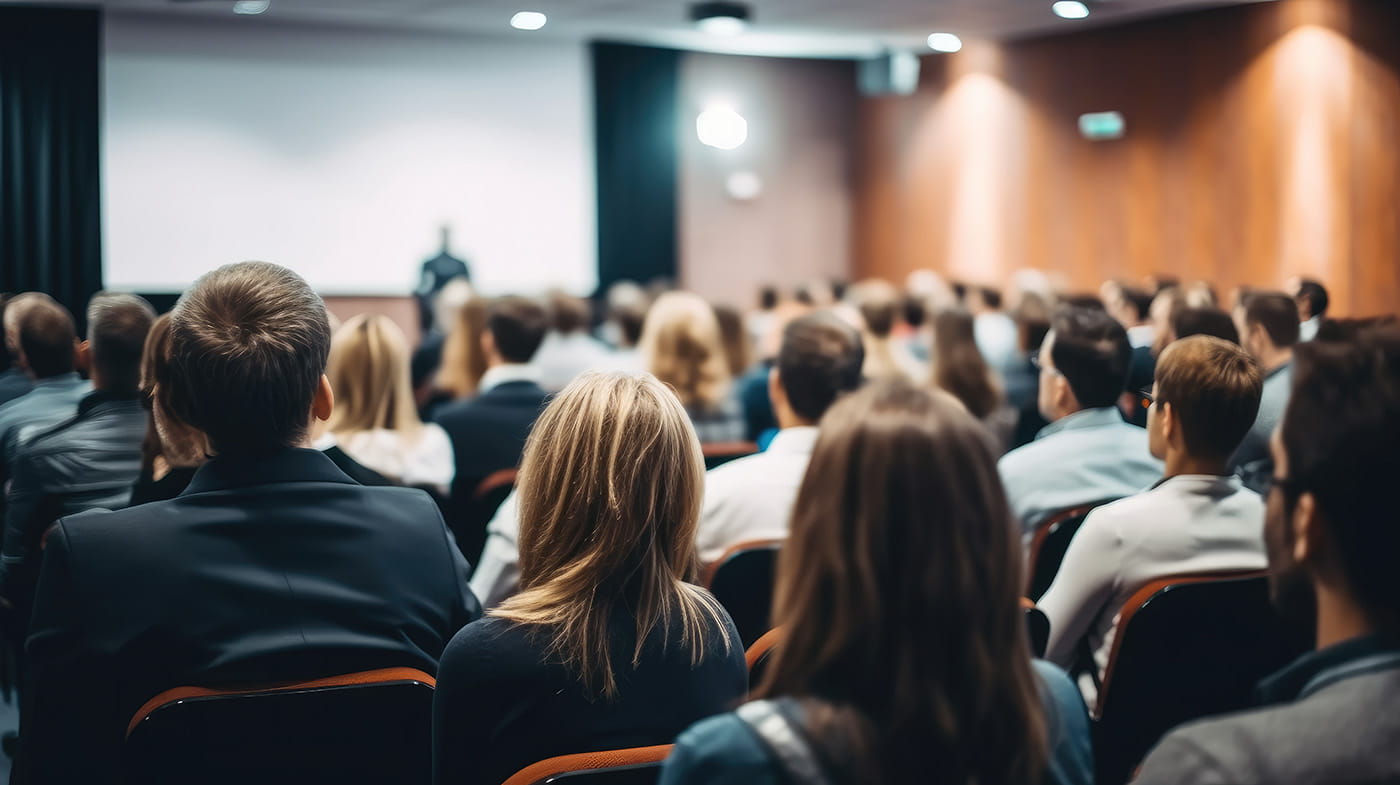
{"x":1337,"y":726}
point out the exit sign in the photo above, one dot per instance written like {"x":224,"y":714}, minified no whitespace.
{"x":1101,"y":126}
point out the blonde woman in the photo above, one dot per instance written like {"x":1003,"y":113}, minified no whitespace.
{"x":375,"y":420}
{"x":683,"y":347}
{"x":463,"y":362}
{"x":608,"y":645}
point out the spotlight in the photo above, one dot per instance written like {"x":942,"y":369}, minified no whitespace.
{"x":720,"y":18}
{"x":528,"y":20}
{"x":944,"y":42}
{"x":1070,"y":9}
{"x":722,"y":128}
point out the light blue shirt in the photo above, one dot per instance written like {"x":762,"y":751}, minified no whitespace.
{"x":1253,"y":461}
{"x":49,"y":403}
{"x":1088,"y":456}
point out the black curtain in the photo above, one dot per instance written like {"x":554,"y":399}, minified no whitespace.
{"x":636,"y":108}
{"x":50,"y":205}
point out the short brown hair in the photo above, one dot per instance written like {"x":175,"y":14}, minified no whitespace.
{"x":1213,"y":387}
{"x":517,"y":325}
{"x":117,"y":327}
{"x":567,"y":313}
{"x":248,"y":345}
{"x":820,"y":359}
{"x":1277,"y":312}
{"x":45,"y":333}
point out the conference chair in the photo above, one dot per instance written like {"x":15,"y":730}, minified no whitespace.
{"x":758,"y":655}
{"x":1050,"y":542}
{"x":742,"y":580}
{"x":719,"y":453}
{"x":1187,"y":646}
{"x":635,"y":766}
{"x":1037,"y":627}
{"x":371,"y":726}
{"x":470,"y":519}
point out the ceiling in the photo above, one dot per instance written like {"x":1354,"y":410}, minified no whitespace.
{"x":813,"y":28}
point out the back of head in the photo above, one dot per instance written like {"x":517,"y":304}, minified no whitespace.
{"x":449,"y":301}
{"x":1137,"y":303}
{"x":1276,"y":312}
{"x":914,"y":310}
{"x":248,"y":345}
{"x":1312,"y":294}
{"x":567,"y":313}
{"x":1339,"y":435}
{"x":463,"y":360}
{"x":820,"y":359}
{"x":610,"y":488}
{"x":1205,"y":321}
{"x":169,"y":438}
{"x":1091,"y":350}
{"x":879,"y":305}
{"x":517,"y":326}
{"x":44,"y":332}
{"x":627,"y":308}
{"x":117,"y":327}
{"x":368,"y":368}
{"x":682,"y":347}
{"x":737,"y":351}
{"x":958,"y":365}
{"x":899,"y":593}
{"x":767,"y":298}
{"x":1213,"y":388}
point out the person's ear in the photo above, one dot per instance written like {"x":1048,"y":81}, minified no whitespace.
{"x":776,"y":393}
{"x":324,"y":401}
{"x":1307,"y":534}
{"x":82,"y":356}
{"x":1064,"y":394}
{"x":1167,"y":415}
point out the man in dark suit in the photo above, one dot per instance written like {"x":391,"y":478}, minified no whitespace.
{"x":272,"y":566}
{"x":488,"y":432}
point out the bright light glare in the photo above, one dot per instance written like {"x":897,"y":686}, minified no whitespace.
{"x":528,"y":20}
{"x":944,"y":42}
{"x":1070,"y":9}
{"x":720,"y":127}
{"x":250,"y":6}
{"x":743,"y":186}
{"x":722,"y":25}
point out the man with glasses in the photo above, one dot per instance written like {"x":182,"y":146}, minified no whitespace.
{"x":1200,"y":518}
{"x":1332,"y":537}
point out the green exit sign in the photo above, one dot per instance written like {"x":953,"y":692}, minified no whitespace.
{"x":1098,"y":126}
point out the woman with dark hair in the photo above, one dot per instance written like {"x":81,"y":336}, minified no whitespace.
{"x":960,"y":370}
{"x":904,"y":655}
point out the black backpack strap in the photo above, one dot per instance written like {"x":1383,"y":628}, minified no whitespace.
{"x":783,"y":740}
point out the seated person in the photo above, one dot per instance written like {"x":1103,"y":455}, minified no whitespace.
{"x":272,"y":566}
{"x":171,"y":451}
{"x":1268,"y":327}
{"x":90,"y":460}
{"x":1205,"y":320}
{"x":568,"y":348}
{"x":1331,"y":533}
{"x":44,"y":343}
{"x":14,"y":382}
{"x":1087,"y":453}
{"x":375,"y":419}
{"x":1198,"y":519}
{"x":904,"y":647}
{"x":751,"y":498}
{"x":682,"y":346}
{"x":608,"y":645}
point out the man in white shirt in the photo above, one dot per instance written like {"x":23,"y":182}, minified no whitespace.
{"x":1198,"y":519}
{"x":751,"y":498}
{"x":568,"y":349}
{"x":1087,"y":453}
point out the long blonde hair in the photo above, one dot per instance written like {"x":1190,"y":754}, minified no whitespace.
{"x":683,"y":348}
{"x":463,"y":361}
{"x":610,"y":489}
{"x":369,"y":374}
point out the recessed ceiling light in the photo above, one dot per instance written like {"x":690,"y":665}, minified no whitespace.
{"x":1070,"y":9}
{"x":250,"y":7}
{"x":944,"y":42}
{"x":720,"y":18}
{"x":721,"y":127}
{"x":528,"y":20}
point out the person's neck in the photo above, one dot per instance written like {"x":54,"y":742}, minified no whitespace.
{"x":1273,"y":358}
{"x":793,"y":421}
{"x":1338,"y":617}
{"x":1179,"y":463}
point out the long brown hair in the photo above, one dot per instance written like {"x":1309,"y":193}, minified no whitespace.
{"x":463,"y":361}
{"x":958,"y":365}
{"x":899,"y":592}
{"x":610,"y":489}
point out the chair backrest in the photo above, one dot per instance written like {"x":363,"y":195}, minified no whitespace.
{"x":1186,"y":647}
{"x":635,"y":766}
{"x":1049,"y":543}
{"x":371,"y":726}
{"x":742,"y":581}
{"x":719,"y":453}
{"x":1037,"y":627}
{"x":758,"y":655}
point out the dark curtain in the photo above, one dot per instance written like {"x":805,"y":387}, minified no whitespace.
{"x":50,"y":221}
{"x":635,"y":120}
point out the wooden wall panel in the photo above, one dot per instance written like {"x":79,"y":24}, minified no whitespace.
{"x":1262,"y":143}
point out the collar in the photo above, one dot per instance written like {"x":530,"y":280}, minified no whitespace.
{"x":798,"y":440}
{"x":1319,"y":669}
{"x":504,"y":374}
{"x":290,"y":464}
{"x":102,"y":399}
{"x":63,"y":379}
{"x":1230,"y":482}
{"x":1084,"y":418}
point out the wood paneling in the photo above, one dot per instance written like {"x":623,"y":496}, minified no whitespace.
{"x":1262,"y":143}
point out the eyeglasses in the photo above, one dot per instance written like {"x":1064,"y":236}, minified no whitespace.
{"x":1146,"y":399}
{"x":1039,"y":366}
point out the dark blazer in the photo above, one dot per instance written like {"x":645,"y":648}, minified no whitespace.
{"x":488,"y":432}
{"x":264,"y":570}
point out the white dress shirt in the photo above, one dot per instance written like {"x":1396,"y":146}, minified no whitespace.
{"x":1307,"y":329}
{"x":497,"y":577}
{"x":505,"y":373}
{"x":425,"y":461}
{"x":1188,"y":523}
{"x":561,"y":357}
{"x":751,"y":498}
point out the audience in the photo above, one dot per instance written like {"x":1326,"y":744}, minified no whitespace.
{"x":463,"y":362}
{"x":568,"y":349}
{"x":375,"y":420}
{"x":14,"y":382}
{"x":427,"y":357}
{"x":886,"y":357}
{"x":738,"y":351}
{"x":1198,"y":519}
{"x":751,"y":498}
{"x":45,"y":345}
{"x":994,"y":330}
{"x":904,"y":655}
{"x":1087,"y":453}
{"x":1268,"y":325}
{"x":627,"y":313}
{"x":1311,"y":297}
{"x":1332,"y":538}
{"x":271,"y":566}
{"x":608,"y":645}
{"x":90,"y":460}
{"x":1205,"y":320}
{"x":683,"y":348}
{"x":960,"y":370}
{"x":171,"y":451}
{"x":760,"y":423}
